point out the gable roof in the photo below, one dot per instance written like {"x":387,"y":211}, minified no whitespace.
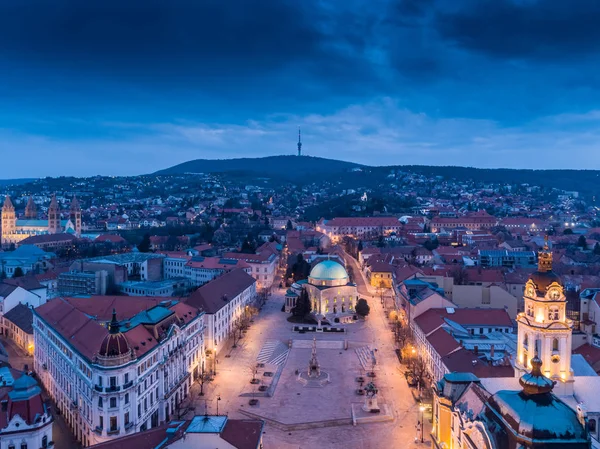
{"x":22,"y":317}
{"x":210,"y":297}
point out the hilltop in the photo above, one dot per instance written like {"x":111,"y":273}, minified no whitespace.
{"x":272,"y":166}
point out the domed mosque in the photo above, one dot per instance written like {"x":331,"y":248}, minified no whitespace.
{"x":329,"y":289}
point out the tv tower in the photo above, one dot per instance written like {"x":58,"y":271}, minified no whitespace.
{"x":299,"y":143}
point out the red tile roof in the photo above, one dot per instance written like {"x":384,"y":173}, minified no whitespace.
{"x":590,"y":353}
{"x":210,"y":298}
{"x":443,"y":342}
{"x":465,"y":361}
{"x":433,"y":318}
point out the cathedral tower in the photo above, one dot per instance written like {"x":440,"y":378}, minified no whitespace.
{"x":53,"y":217}
{"x":543,"y":328}
{"x":9,"y":220}
{"x":30,"y":210}
{"x":75,"y":215}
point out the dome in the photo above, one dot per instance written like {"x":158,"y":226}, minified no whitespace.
{"x":328,"y":270}
{"x":115,"y":344}
{"x":543,"y":280}
{"x":328,"y":274}
{"x":539,"y":417}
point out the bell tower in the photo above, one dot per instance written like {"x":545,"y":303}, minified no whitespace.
{"x":53,"y":216}
{"x":30,"y":209}
{"x":75,"y":215}
{"x":543,"y":328}
{"x":9,"y":220}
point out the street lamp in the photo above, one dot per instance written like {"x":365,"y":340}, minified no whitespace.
{"x":219,"y":398}
{"x":422,"y":409}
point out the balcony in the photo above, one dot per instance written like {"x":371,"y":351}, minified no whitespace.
{"x":112,"y":389}
{"x":98,"y":430}
{"x":129,"y":425}
{"x":98,"y":388}
{"x":114,"y":431}
{"x":128,"y":385}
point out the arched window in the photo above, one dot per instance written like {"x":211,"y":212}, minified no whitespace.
{"x":525,"y":341}
{"x":592,"y":425}
{"x":553,"y":313}
{"x":555,"y":344}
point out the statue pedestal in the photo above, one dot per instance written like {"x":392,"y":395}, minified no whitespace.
{"x":370,"y":404}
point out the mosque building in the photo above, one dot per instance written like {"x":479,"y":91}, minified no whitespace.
{"x":329,"y":289}
{"x":15,"y":229}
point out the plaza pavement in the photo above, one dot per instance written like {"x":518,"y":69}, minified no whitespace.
{"x":234,"y":374}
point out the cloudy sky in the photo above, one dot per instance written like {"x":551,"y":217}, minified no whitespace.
{"x":95,"y":87}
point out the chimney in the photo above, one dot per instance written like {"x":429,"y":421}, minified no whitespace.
{"x":492,"y":352}
{"x":476,"y":349}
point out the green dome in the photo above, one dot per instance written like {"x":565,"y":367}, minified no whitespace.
{"x":328,"y":270}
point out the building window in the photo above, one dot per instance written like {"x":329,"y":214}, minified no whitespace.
{"x":126,"y":377}
{"x":23,"y":445}
{"x":100,"y":404}
{"x":126,"y":398}
{"x":101,"y":424}
{"x":555,"y":344}
{"x":113,"y":402}
{"x":113,"y":382}
{"x":113,"y":423}
{"x":592,"y":426}
{"x":126,"y":418}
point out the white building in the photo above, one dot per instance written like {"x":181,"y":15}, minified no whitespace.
{"x":201,"y":270}
{"x":224,"y":301}
{"x":25,"y":422}
{"x":112,"y":377}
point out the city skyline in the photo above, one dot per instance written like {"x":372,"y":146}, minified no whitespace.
{"x":102,"y":89}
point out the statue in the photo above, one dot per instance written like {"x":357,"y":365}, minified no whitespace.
{"x":371,"y":398}
{"x":314,"y":369}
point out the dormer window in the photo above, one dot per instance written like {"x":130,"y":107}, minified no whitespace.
{"x":530,"y":310}
{"x":553,"y":313}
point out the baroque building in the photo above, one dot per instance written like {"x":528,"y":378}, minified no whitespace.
{"x":15,"y":230}
{"x":117,"y":373}
{"x":543,"y":328}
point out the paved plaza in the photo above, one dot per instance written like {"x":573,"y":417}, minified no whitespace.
{"x":302,"y":417}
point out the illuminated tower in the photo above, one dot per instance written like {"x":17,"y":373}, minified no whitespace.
{"x":30,"y":209}
{"x":9,"y":220}
{"x":75,"y":215}
{"x":299,"y":143}
{"x":53,"y":216}
{"x":543,"y":328}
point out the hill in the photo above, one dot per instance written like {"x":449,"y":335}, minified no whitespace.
{"x":290,"y":167}
{"x":15,"y":182}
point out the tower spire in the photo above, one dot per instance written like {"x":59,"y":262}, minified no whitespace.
{"x":299,"y":142}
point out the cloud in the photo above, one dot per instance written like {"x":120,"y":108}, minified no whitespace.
{"x":381,"y":132}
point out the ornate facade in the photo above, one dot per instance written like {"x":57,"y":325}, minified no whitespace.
{"x":543,"y":328}
{"x":14,"y":229}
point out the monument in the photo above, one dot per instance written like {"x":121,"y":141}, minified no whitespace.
{"x":313,"y":376}
{"x":314,"y":369}
{"x":370,"y":404}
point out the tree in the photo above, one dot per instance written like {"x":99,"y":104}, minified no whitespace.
{"x":18,"y":272}
{"x":380,"y":242}
{"x":144,"y":246}
{"x":248,"y":246}
{"x":568,"y":231}
{"x":289,"y":226}
{"x":582,"y":242}
{"x":597,"y":249}
{"x":362,"y":307}
{"x":360,"y":246}
{"x":303,"y":306}
{"x":431,"y":244}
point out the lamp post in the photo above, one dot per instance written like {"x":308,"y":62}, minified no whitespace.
{"x":219,"y":398}
{"x":422,"y":409}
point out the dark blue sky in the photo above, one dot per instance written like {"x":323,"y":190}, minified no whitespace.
{"x":93,"y":86}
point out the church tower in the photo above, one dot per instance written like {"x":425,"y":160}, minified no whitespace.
{"x":9,"y":220}
{"x":30,"y":210}
{"x":53,"y":217}
{"x":75,"y":215}
{"x":543,"y":328}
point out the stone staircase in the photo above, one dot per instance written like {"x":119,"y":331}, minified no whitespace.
{"x":365,"y":356}
{"x":273,"y":352}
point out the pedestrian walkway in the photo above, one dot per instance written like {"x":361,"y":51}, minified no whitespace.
{"x":273,"y":352}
